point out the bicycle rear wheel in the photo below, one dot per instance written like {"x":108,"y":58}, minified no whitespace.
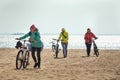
{"x":26,"y":59}
{"x":19,"y":59}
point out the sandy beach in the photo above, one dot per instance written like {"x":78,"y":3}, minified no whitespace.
{"x":75,"y":67}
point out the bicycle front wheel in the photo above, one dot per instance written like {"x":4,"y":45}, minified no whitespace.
{"x":57,"y":51}
{"x":97,"y":53}
{"x":53,"y":48}
{"x":19,"y":59}
{"x":26,"y":59}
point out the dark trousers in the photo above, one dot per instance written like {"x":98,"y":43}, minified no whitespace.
{"x":88,"y":46}
{"x":38,"y":58}
{"x":64,"y":46}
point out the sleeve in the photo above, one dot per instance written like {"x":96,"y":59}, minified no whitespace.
{"x":85,"y":37}
{"x":94,"y":36}
{"x":60,"y":36}
{"x":25,"y":36}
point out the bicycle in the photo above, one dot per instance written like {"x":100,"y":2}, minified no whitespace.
{"x":55,"y":47}
{"x":95,"y":48}
{"x":22,"y":58}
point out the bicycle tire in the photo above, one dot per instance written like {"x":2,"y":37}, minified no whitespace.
{"x":53,"y":48}
{"x":56,"y":54}
{"x":57,"y":51}
{"x":19,"y":59}
{"x":97,"y":53}
{"x":26,"y":59}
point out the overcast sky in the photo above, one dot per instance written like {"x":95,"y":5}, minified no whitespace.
{"x":49,"y":16}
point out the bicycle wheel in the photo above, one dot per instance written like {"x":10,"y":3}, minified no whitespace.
{"x":26,"y":59}
{"x":97,"y":53}
{"x":57,"y":50}
{"x":19,"y":59}
{"x":53,"y":48}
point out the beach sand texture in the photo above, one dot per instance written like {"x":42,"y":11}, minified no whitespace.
{"x":75,"y":67}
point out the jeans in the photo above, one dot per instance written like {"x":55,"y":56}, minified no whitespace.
{"x":38,"y":60}
{"x":88,"y":46}
{"x":64,"y":46}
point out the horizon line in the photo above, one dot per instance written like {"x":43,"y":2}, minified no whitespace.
{"x":50,"y":34}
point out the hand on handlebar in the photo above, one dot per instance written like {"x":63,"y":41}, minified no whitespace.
{"x":17,"y":38}
{"x":96,"y":38}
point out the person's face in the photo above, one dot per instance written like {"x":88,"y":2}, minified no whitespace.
{"x":32,"y":29}
{"x":88,"y":30}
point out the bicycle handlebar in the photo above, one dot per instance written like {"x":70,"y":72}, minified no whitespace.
{"x":51,"y":42}
{"x":54,"y":39}
{"x":30,"y":40}
{"x":94,"y":39}
{"x":24,"y":40}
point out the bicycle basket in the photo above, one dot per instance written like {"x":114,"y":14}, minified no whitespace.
{"x":18,"y":45}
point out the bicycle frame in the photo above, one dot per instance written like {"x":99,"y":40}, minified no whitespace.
{"x":56,"y":47}
{"x":96,"y":52}
{"x":23,"y":49}
{"x":53,"y":45}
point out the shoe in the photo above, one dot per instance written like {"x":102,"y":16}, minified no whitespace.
{"x":65,"y":56}
{"x":38,"y":65}
{"x":35,"y":65}
{"x":88,"y":55}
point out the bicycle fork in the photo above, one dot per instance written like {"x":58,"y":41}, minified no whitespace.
{"x":24,"y":53}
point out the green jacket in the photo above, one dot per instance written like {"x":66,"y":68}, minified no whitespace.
{"x":63,"y":37}
{"x":35,"y":36}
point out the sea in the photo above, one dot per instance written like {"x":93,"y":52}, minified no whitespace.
{"x":76,"y":41}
